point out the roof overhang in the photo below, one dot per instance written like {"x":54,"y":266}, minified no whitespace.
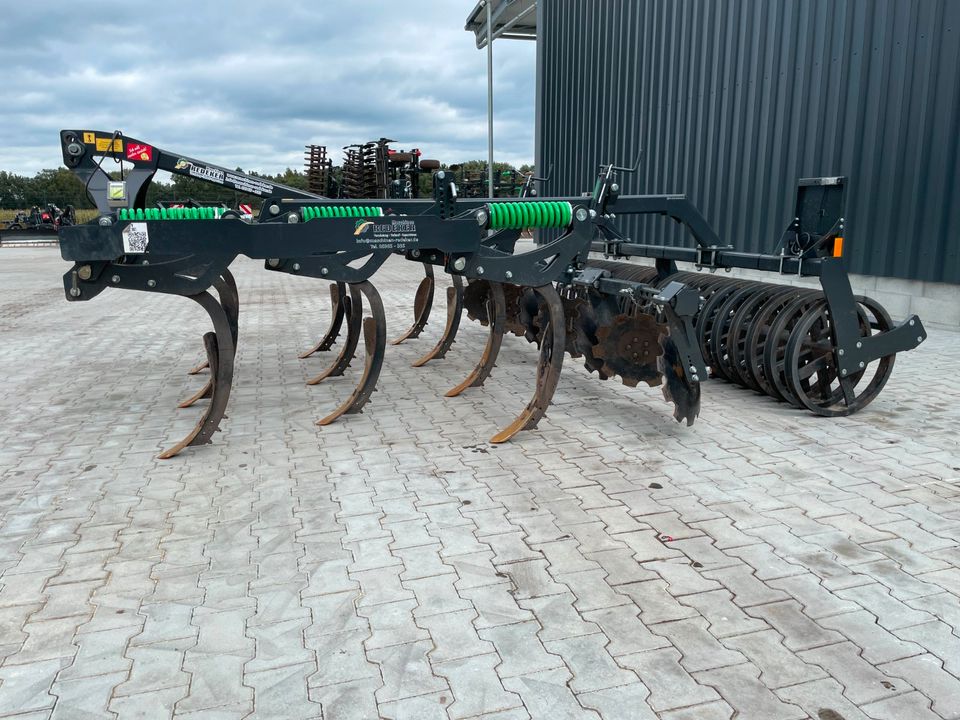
{"x":512,"y":19}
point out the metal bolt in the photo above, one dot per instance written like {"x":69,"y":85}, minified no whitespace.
{"x":84,"y":272}
{"x":105,"y":222}
{"x":415,"y":253}
{"x":593,"y":213}
{"x":324,"y":271}
{"x":693,"y":368}
{"x":481,"y":218}
{"x":696,"y":378}
{"x":919,"y":338}
{"x":508,"y":274}
{"x":74,"y":292}
{"x":911,"y":323}
{"x":296,"y":266}
{"x":862,"y":365}
{"x":840,"y":352}
{"x":273,"y":262}
{"x":859,"y":344}
{"x":433,"y":258}
{"x":274,"y":209}
{"x":843,"y":373}
{"x":144,"y":262}
{"x":151,"y":283}
{"x":441,"y":175}
{"x":115,"y":279}
{"x":460,"y":263}
{"x":615,"y":187}
{"x":582,"y":214}
{"x":479,"y":269}
{"x":293,"y":218}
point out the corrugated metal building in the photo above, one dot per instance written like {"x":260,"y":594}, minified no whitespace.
{"x":732,"y":100}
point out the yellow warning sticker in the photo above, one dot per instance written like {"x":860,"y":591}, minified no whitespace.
{"x":103,"y":144}
{"x":88,"y":137}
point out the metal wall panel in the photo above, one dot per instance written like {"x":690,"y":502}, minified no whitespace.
{"x":732,"y":100}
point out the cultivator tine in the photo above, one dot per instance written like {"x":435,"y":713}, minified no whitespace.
{"x":353,"y":315}
{"x":220,"y":355}
{"x":338,"y":296}
{"x":454,"y":311}
{"x":375,"y":343}
{"x":548,"y":368}
{"x":229,"y":285}
{"x":422,"y":304}
{"x":199,"y":368}
{"x":226,"y":288}
{"x":496,"y":316}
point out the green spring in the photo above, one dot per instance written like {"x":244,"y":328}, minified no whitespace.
{"x":326,"y":211}
{"x":202,"y":213}
{"x":530,"y":214}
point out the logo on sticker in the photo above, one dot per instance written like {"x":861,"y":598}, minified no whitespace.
{"x":362,"y":226}
{"x":139,"y":151}
{"x":135,"y":238}
{"x":182,"y":164}
{"x":205,"y":173}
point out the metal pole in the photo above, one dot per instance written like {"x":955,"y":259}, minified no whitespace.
{"x":490,"y":98}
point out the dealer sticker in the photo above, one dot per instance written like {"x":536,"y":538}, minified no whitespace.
{"x":135,"y":238}
{"x":139,"y":151}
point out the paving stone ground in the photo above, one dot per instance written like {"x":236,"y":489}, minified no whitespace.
{"x":764,"y":563}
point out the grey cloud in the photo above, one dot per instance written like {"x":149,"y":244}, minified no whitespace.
{"x":249,"y":84}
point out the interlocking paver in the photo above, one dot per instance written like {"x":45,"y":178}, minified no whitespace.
{"x":699,"y":649}
{"x":821,"y":699}
{"x":799,"y":632}
{"x":778,"y":666}
{"x":670,"y":685}
{"x":912,"y":705}
{"x":592,"y":666}
{"x":626,"y":632}
{"x":547,"y":696}
{"x":476,"y":687}
{"x":926,"y":674}
{"x":740,"y":687}
{"x":520,"y":649}
{"x":610,"y":564}
{"x":878,"y":645}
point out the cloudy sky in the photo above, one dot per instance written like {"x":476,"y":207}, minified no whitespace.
{"x":250,"y":83}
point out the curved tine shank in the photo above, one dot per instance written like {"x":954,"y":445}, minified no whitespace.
{"x":454,"y":311}
{"x":548,"y":367}
{"x":353,"y":311}
{"x":226,"y":286}
{"x":338,"y":293}
{"x":375,"y":342}
{"x":198,"y":368}
{"x":230,"y":302}
{"x":497,"y":312}
{"x":422,"y":305}
{"x":220,"y":355}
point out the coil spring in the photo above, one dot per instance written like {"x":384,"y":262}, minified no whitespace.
{"x":325,"y":211}
{"x":201,"y":213}
{"x":530,"y":214}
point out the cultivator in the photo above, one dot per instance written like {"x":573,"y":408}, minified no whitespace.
{"x":826,"y":350}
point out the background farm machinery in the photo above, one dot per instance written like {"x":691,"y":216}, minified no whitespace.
{"x":825,"y":350}
{"x":38,"y":221}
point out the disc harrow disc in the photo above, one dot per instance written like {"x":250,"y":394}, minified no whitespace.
{"x":677,"y":388}
{"x":629,"y":347}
